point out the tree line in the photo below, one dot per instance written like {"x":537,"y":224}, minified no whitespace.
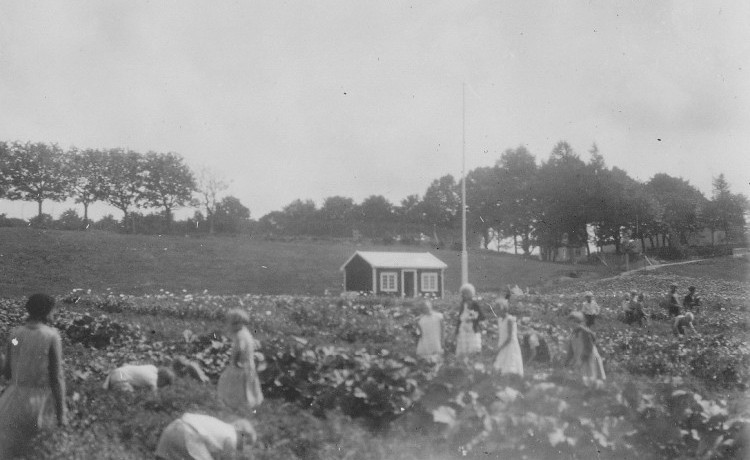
{"x":546,"y":205}
{"x":127,"y":180}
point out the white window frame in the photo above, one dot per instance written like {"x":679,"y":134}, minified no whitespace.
{"x":385,"y":287}
{"x":429,"y":287}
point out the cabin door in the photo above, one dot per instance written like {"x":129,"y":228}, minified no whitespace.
{"x":410,"y":283}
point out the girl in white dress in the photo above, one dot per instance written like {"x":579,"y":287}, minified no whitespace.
{"x":430,"y":324}
{"x":509,"y":360}
{"x":239,"y":386}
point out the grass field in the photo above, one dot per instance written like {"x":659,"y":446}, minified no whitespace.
{"x":58,"y":261}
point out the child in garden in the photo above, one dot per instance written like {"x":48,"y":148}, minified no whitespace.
{"x":202,"y":437}
{"x":33,"y":366}
{"x":682,"y":324}
{"x":468,"y":332}
{"x":130,"y":376}
{"x":534,"y":347}
{"x":430,"y":326}
{"x":673,"y":302}
{"x":590,"y":308}
{"x":508,"y":360}
{"x":691,"y":302}
{"x":582,"y":351}
{"x":239,"y":386}
{"x":634,"y":312}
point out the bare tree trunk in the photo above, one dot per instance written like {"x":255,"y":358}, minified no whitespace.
{"x":515,"y":243}
{"x":39,"y":203}
{"x":85,"y":215}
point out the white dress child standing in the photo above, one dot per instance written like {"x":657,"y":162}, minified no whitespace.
{"x":430,"y":341}
{"x":508,"y":360}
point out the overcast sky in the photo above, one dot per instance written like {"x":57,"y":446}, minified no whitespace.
{"x":309,"y":99}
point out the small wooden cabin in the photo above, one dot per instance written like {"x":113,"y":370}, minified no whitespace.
{"x":406,"y":274}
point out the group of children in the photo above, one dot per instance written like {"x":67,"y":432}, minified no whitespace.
{"x":35,"y":395}
{"x":33,"y":366}
{"x":512,"y":352}
{"x":682,"y":311}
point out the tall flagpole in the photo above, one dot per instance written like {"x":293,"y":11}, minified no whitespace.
{"x":464,"y":254}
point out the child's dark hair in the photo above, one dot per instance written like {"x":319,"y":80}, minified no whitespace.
{"x":39,"y":306}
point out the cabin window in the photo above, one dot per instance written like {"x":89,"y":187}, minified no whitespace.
{"x":388,"y":282}
{"x":429,"y":282}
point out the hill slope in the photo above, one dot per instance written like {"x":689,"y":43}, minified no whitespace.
{"x":58,"y":261}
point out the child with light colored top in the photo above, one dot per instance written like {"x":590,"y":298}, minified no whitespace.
{"x":202,"y":437}
{"x":508,"y":360}
{"x":430,"y":325}
{"x":590,"y":309}
{"x":131,"y":376}
{"x":682,"y":324}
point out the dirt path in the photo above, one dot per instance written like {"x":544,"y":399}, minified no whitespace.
{"x":654,"y":267}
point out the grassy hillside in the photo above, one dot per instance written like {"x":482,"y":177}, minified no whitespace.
{"x":58,"y":261}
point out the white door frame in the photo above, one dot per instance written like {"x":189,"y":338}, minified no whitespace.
{"x":403,"y":290}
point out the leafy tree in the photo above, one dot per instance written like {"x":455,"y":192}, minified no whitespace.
{"x":36,"y":172}
{"x":563,"y":186}
{"x":299,"y":218}
{"x":4,"y":168}
{"x":442,"y":202}
{"x":483,"y":200}
{"x":210,"y":186}
{"x":614,"y":202}
{"x":232,"y":216}
{"x":517,"y":209}
{"x":87,"y":174}
{"x":271,"y":223}
{"x":337,"y":214}
{"x":410,"y":210}
{"x":376,"y":214}
{"x":680,"y":202}
{"x":125,"y":185}
{"x":168,"y":182}
{"x":726,"y":210}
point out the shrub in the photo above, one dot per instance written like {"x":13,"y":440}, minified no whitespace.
{"x":43,"y":221}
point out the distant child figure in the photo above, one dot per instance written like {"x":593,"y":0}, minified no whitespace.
{"x":590,"y":309}
{"x":691,"y":302}
{"x":582,"y":351}
{"x":508,"y":360}
{"x":534,"y":348}
{"x":430,"y":325}
{"x":34,"y":367}
{"x":130,"y":376}
{"x":673,"y":302}
{"x":634,"y":312}
{"x":202,"y":437}
{"x":682,"y":324}
{"x":626,"y":301}
{"x":468,"y":332}
{"x":239,"y":386}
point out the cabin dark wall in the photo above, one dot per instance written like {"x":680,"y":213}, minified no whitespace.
{"x":358,"y":275}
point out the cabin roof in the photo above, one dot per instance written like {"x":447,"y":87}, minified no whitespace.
{"x":423,"y":260}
